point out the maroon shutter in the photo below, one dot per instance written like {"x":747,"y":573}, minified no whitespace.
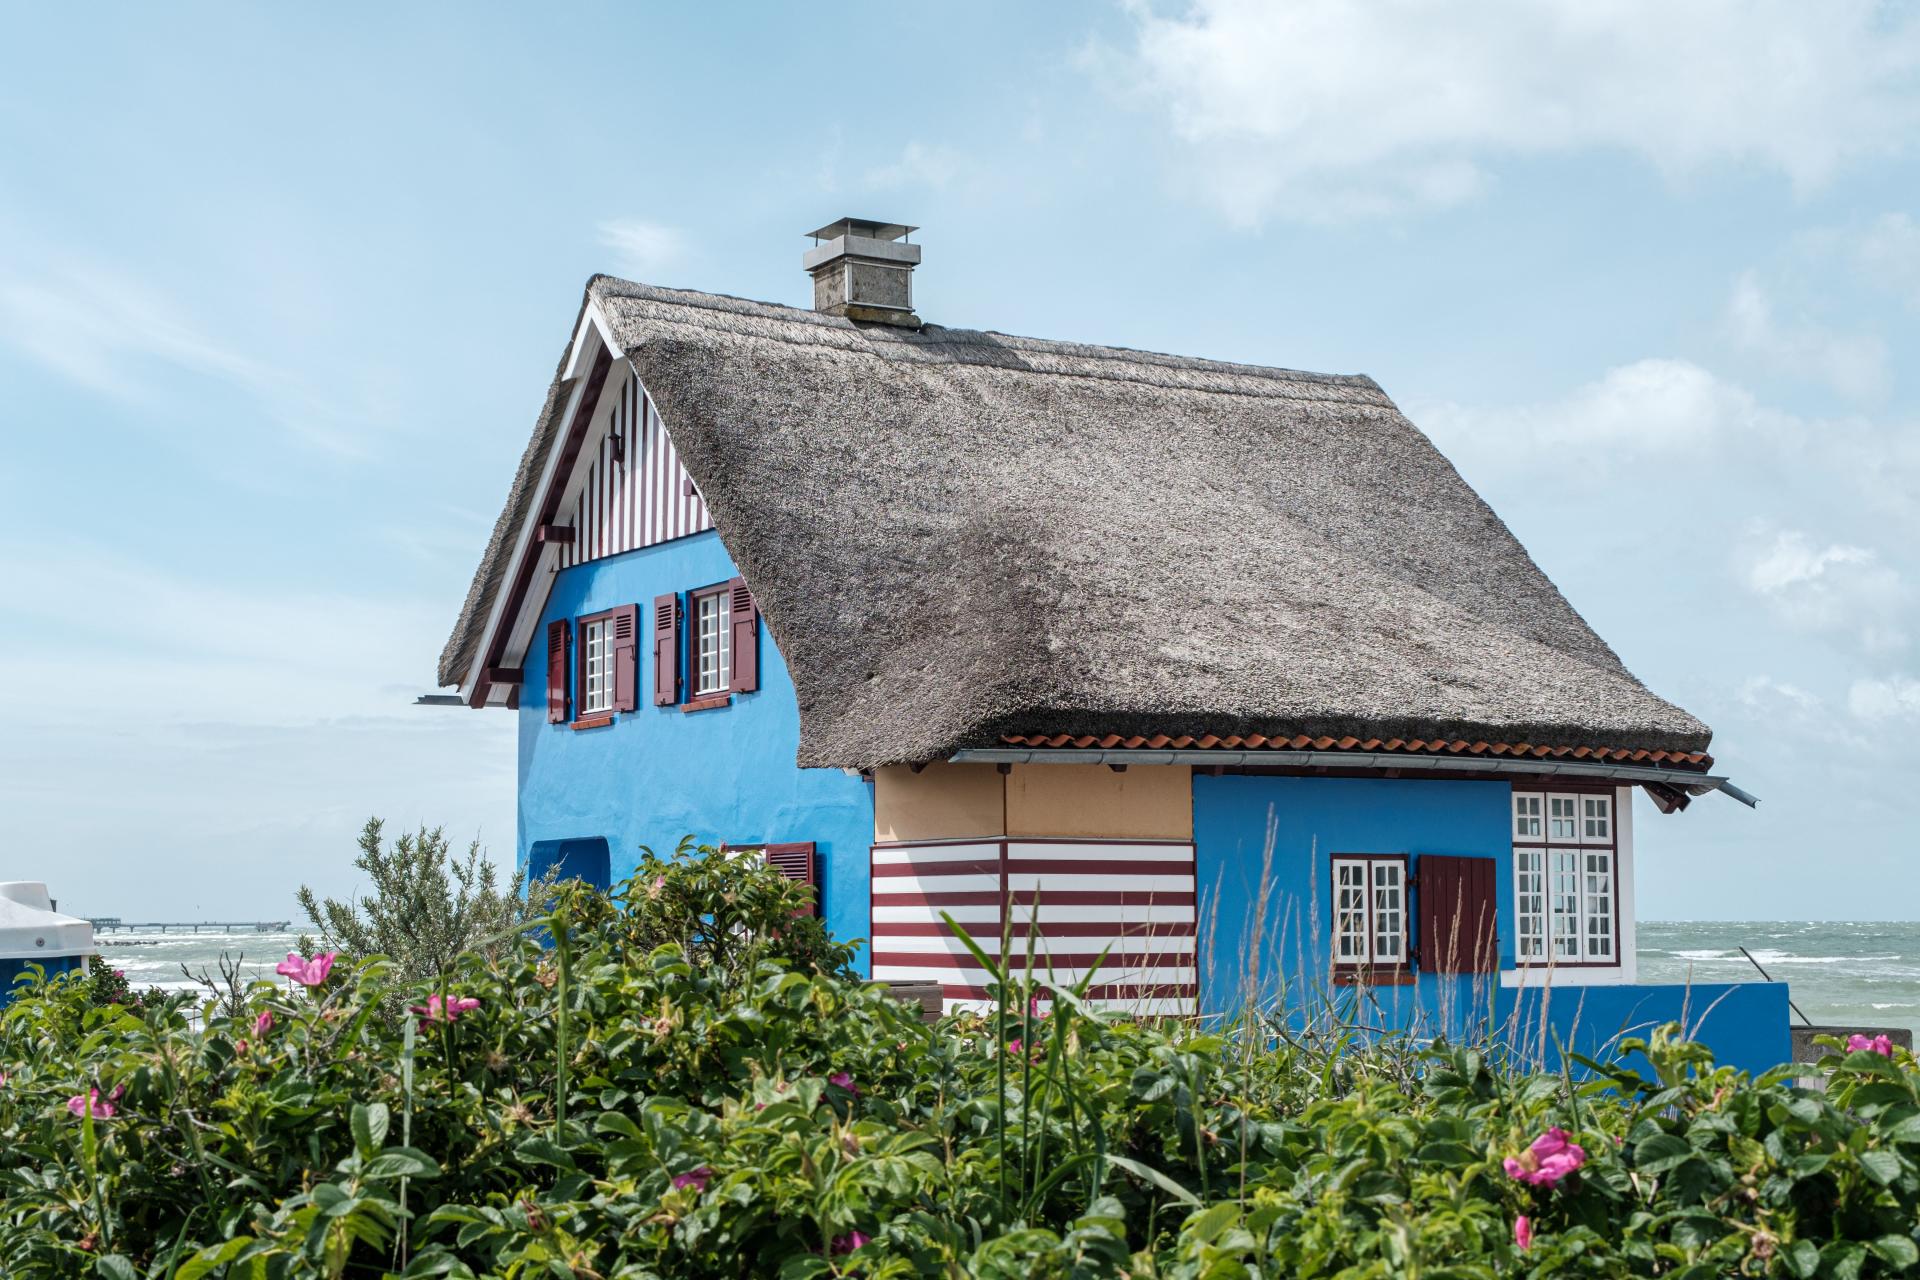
{"x":745,"y":620}
{"x":1457,"y":914}
{"x":557,"y":671}
{"x":795,"y":862}
{"x":666,"y":650}
{"x":626,"y":657}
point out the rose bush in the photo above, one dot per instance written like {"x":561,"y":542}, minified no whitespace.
{"x":685,"y":1080}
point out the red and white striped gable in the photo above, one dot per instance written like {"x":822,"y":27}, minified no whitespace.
{"x":634,"y":493}
{"x":1133,"y":900}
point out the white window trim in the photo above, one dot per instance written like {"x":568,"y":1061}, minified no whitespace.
{"x":720,"y":600}
{"x":1627,"y":972}
{"x":1371,"y":935}
{"x":596,"y":676}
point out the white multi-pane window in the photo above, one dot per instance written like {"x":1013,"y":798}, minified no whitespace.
{"x":1530,"y":901}
{"x":1369,"y":911}
{"x":1564,"y":879}
{"x":596,"y":685}
{"x":1526,"y":817}
{"x":1596,"y":819}
{"x":713,"y":642}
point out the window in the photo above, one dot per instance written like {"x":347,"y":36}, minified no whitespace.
{"x":712,"y":642}
{"x":596,"y":667}
{"x":1370,"y":911}
{"x":1564,"y":897}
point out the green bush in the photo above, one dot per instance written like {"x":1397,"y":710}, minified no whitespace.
{"x":683,"y":1081}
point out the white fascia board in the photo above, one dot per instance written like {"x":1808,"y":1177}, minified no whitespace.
{"x":588,"y":337}
{"x":521,"y":630}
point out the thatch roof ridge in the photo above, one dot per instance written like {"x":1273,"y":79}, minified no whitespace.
{"x":957,"y":535}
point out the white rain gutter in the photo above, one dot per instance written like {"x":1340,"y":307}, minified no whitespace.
{"x":1693,"y":783}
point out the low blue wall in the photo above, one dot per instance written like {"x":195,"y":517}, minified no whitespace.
{"x":657,"y":774}
{"x":1744,"y":1023}
{"x":11,"y":970}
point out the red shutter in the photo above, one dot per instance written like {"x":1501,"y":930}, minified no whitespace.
{"x":626,"y":657}
{"x":666,"y":650}
{"x":745,"y":620}
{"x":1457,"y":914}
{"x":795,"y":862}
{"x":557,"y":671}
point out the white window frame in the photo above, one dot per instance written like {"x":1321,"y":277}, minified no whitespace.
{"x":1572,"y":893}
{"x":596,"y":671}
{"x":712,"y":646}
{"x":1381,"y":912}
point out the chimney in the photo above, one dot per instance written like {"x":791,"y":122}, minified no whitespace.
{"x":864,"y":271}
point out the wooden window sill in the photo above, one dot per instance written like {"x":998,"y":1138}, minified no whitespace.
{"x":1400,"y":976}
{"x":706,"y":702}
{"x":600,"y":721}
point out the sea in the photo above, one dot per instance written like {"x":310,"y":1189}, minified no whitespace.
{"x":1865,"y":972}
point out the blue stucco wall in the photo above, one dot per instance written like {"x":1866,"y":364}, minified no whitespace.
{"x":1314,"y":818}
{"x":658,"y":774}
{"x":1744,"y":1023}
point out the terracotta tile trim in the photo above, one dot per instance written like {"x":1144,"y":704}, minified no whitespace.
{"x":1305,"y":742}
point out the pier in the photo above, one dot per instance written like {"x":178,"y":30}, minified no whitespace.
{"x":114,"y":924}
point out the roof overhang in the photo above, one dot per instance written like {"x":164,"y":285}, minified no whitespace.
{"x":590,"y":358}
{"x":1687,"y":781}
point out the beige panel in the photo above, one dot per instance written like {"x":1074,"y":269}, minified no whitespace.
{"x":941,"y":802}
{"x":1147,"y":802}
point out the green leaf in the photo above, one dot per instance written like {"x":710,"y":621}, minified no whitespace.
{"x":545,"y":1151}
{"x":1208,"y":1225}
{"x":1882,"y":1166}
{"x":115,"y":1267}
{"x":369,"y":1127}
{"x":1898,"y":1252}
{"x":214,"y":1255}
{"x":1803,"y":1258}
{"x":1661,"y":1152}
{"x":1157,"y":1178}
{"x":402,"y":1162}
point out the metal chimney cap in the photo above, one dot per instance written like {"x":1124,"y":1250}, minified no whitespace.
{"x":863,"y":227}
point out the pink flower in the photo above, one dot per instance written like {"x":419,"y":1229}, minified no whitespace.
{"x":696,"y":1178}
{"x":263,"y":1023}
{"x":442,"y":1009}
{"x":849,"y":1242}
{"x":1523,"y":1233}
{"x":1882,"y":1045}
{"x":1551,"y":1158}
{"x":308,"y":973}
{"x":1033,"y":1007}
{"x":845,"y":1081}
{"x":241,"y":1045}
{"x":92,"y":1103}
{"x":1014,"y":1046}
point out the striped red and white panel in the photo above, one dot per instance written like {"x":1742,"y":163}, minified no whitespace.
{"x":1073,"y":899}
{"x":641,"y":498}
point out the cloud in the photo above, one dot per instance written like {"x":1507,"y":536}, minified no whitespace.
{"x":1651,"y":406}
{"x":643,"y":248}
{"x":919,"y":165}
{"x":1324,"y":109}
{"x":1897,"y":697}
{"x":1888,"y":254}
{"x":1836,"y":587}
{"x":1852,"y":364}
{"x":110,"y":332}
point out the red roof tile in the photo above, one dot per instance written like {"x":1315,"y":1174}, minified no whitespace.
{"x":1302,"y":742}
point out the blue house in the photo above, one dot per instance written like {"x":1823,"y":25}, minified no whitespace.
{"x":1215,"y":681}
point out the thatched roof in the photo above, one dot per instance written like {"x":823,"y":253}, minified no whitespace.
{"x":958,"y":535}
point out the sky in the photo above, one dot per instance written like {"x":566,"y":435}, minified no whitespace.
{"x":282,"y":287}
